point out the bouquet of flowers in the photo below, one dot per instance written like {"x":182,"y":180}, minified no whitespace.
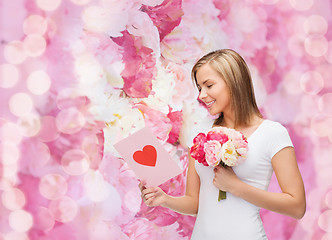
{"x":221,"y":145}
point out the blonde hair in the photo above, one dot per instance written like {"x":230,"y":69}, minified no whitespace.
{"x":235,"y":72}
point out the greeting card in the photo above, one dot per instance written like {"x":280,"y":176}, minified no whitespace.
{"x":147,"y":157}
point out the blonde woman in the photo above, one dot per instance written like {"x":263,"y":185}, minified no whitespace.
{"x":225,"y":86}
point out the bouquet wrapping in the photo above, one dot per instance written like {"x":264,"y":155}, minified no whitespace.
{"x":220,"y":146}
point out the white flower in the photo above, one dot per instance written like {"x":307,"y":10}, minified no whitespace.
{"x":228,"y":154}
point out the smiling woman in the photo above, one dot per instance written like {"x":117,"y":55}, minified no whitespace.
{"x":224,"y":83}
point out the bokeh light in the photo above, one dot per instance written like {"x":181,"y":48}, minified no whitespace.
{"x":44,"y":219}
{"x":96,"y":188}
{"x":10,"y":153}
{"x":9,"y":75}
{"x":325,"y":105}
{"x":13,"y":199}
{"x":64,"y":209}
{"x":301,"y":5}
{"x":34,"y":45}
{"x":81,"y":2}
{"x":52,"y":186}
{"x":315,"y":25}
{"x":70,"y":120}
{"x":38,"y":82}
{"x":11,"y":132}
{"x":20,"y":220}
{"x":316,"y":46}
{"x":321,"y":125}
{"x":14,"y":52}
{"x":325,"y":221}
{"x":34,"y":24}
{"x":312,"y":82}
{"x":75,"y":162}
{"x":16,"y":236}
{"x":47,"y":5}
{"x":30,"y":125}
{"x":20,"y":104}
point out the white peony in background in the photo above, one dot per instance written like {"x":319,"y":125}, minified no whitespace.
{"x":78,"y":75}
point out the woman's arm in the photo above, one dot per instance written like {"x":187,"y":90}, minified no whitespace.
{"x":291,"y":201}
{"x":187,"y":204}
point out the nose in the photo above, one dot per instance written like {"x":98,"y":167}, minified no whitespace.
{"x":202,"y":94}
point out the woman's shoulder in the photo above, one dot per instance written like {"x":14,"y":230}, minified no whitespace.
{"x":273,"y":127}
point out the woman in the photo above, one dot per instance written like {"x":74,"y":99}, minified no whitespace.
{"x":225,"y":86}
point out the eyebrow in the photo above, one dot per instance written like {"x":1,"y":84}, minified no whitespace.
{"x":205,"y":81}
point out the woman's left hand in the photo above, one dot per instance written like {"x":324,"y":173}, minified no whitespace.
{"x":225,"y":179}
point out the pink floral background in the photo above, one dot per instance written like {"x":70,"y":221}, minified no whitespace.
{"x":78,"y":75}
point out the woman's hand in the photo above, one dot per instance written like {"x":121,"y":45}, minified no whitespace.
{"x":225,"y":179}
{"x":152,"y":197}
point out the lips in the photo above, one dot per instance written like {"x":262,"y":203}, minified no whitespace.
{"x":209,"y":104}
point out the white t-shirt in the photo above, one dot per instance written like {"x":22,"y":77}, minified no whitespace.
{"x":235,"y":218}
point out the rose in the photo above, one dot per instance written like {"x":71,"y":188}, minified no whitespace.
{"x":228,"y":154}
{"x":197,"y":149}
{"x":213,"y":152}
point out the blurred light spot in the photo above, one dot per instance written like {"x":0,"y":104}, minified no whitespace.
{"x":291,"y":82}
{"x":250,"y":24}
{"x":44,"y":219}
{"x":301,"y":5}
{"x":105,"y":20}
{"x":70,"y":120}
{"x":20,"y":220}
{"x":324,"y":104}
{"x":20,"y":104}
{"x":52,"y":27}
{"x":40,"y":155}
{"x":14,"y":53}
{"x":69,"y":97}
{"x":321,"y":125}
{"x":16,"y":236}
{"x":315,"y":25}
{"x":133,"y":200}
{"x":13,"y":199}
{"x":10,"y":173}
{"x":75,"y":162}
{"x":328,"y":54}
{"x":309,"y":105}
{"x":10,"y":153}
{"x":80,"y":2}
{"x":63,"y":209}
{"x":48,"y":131}
{"x":30,"y":125}
{"x":328,"y":198}
{"x":52,"y":186}
{"x":48,"y":5}
{"x":38,"y":82}
{"x":34,"y":24}
{"x":301,"y":125}
{"x":9,"y":75}
{"x":96,"y":188}
{"x":295,"y":45}
{"x":34,"y":45}
{"x":270,"y":2}
{"x":316,"y":46}
{"x":10,"y":132}
{"x":325,"y":221}
{"x":312,"y":82}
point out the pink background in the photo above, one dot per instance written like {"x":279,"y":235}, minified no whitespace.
{"x":70,"y":66}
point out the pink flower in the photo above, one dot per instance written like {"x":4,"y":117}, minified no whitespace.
{"x":197,"y":149}
{"x":219,"y":134}
{"x":213,"y":152}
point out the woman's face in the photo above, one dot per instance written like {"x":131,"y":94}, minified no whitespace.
{"x":213,"y":90}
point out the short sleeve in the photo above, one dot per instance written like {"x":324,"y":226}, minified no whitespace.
{"x":279,"y":139}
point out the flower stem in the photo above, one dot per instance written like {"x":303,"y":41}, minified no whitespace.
{"x":222,"y":195}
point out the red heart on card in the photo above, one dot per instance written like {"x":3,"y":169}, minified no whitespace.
{"x":147,"y":157}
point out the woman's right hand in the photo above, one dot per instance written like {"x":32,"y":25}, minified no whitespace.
{"x":152,"y":196}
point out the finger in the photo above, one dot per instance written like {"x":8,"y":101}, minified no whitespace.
{"x":147,"y":191}
{"x":149,"y":195}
